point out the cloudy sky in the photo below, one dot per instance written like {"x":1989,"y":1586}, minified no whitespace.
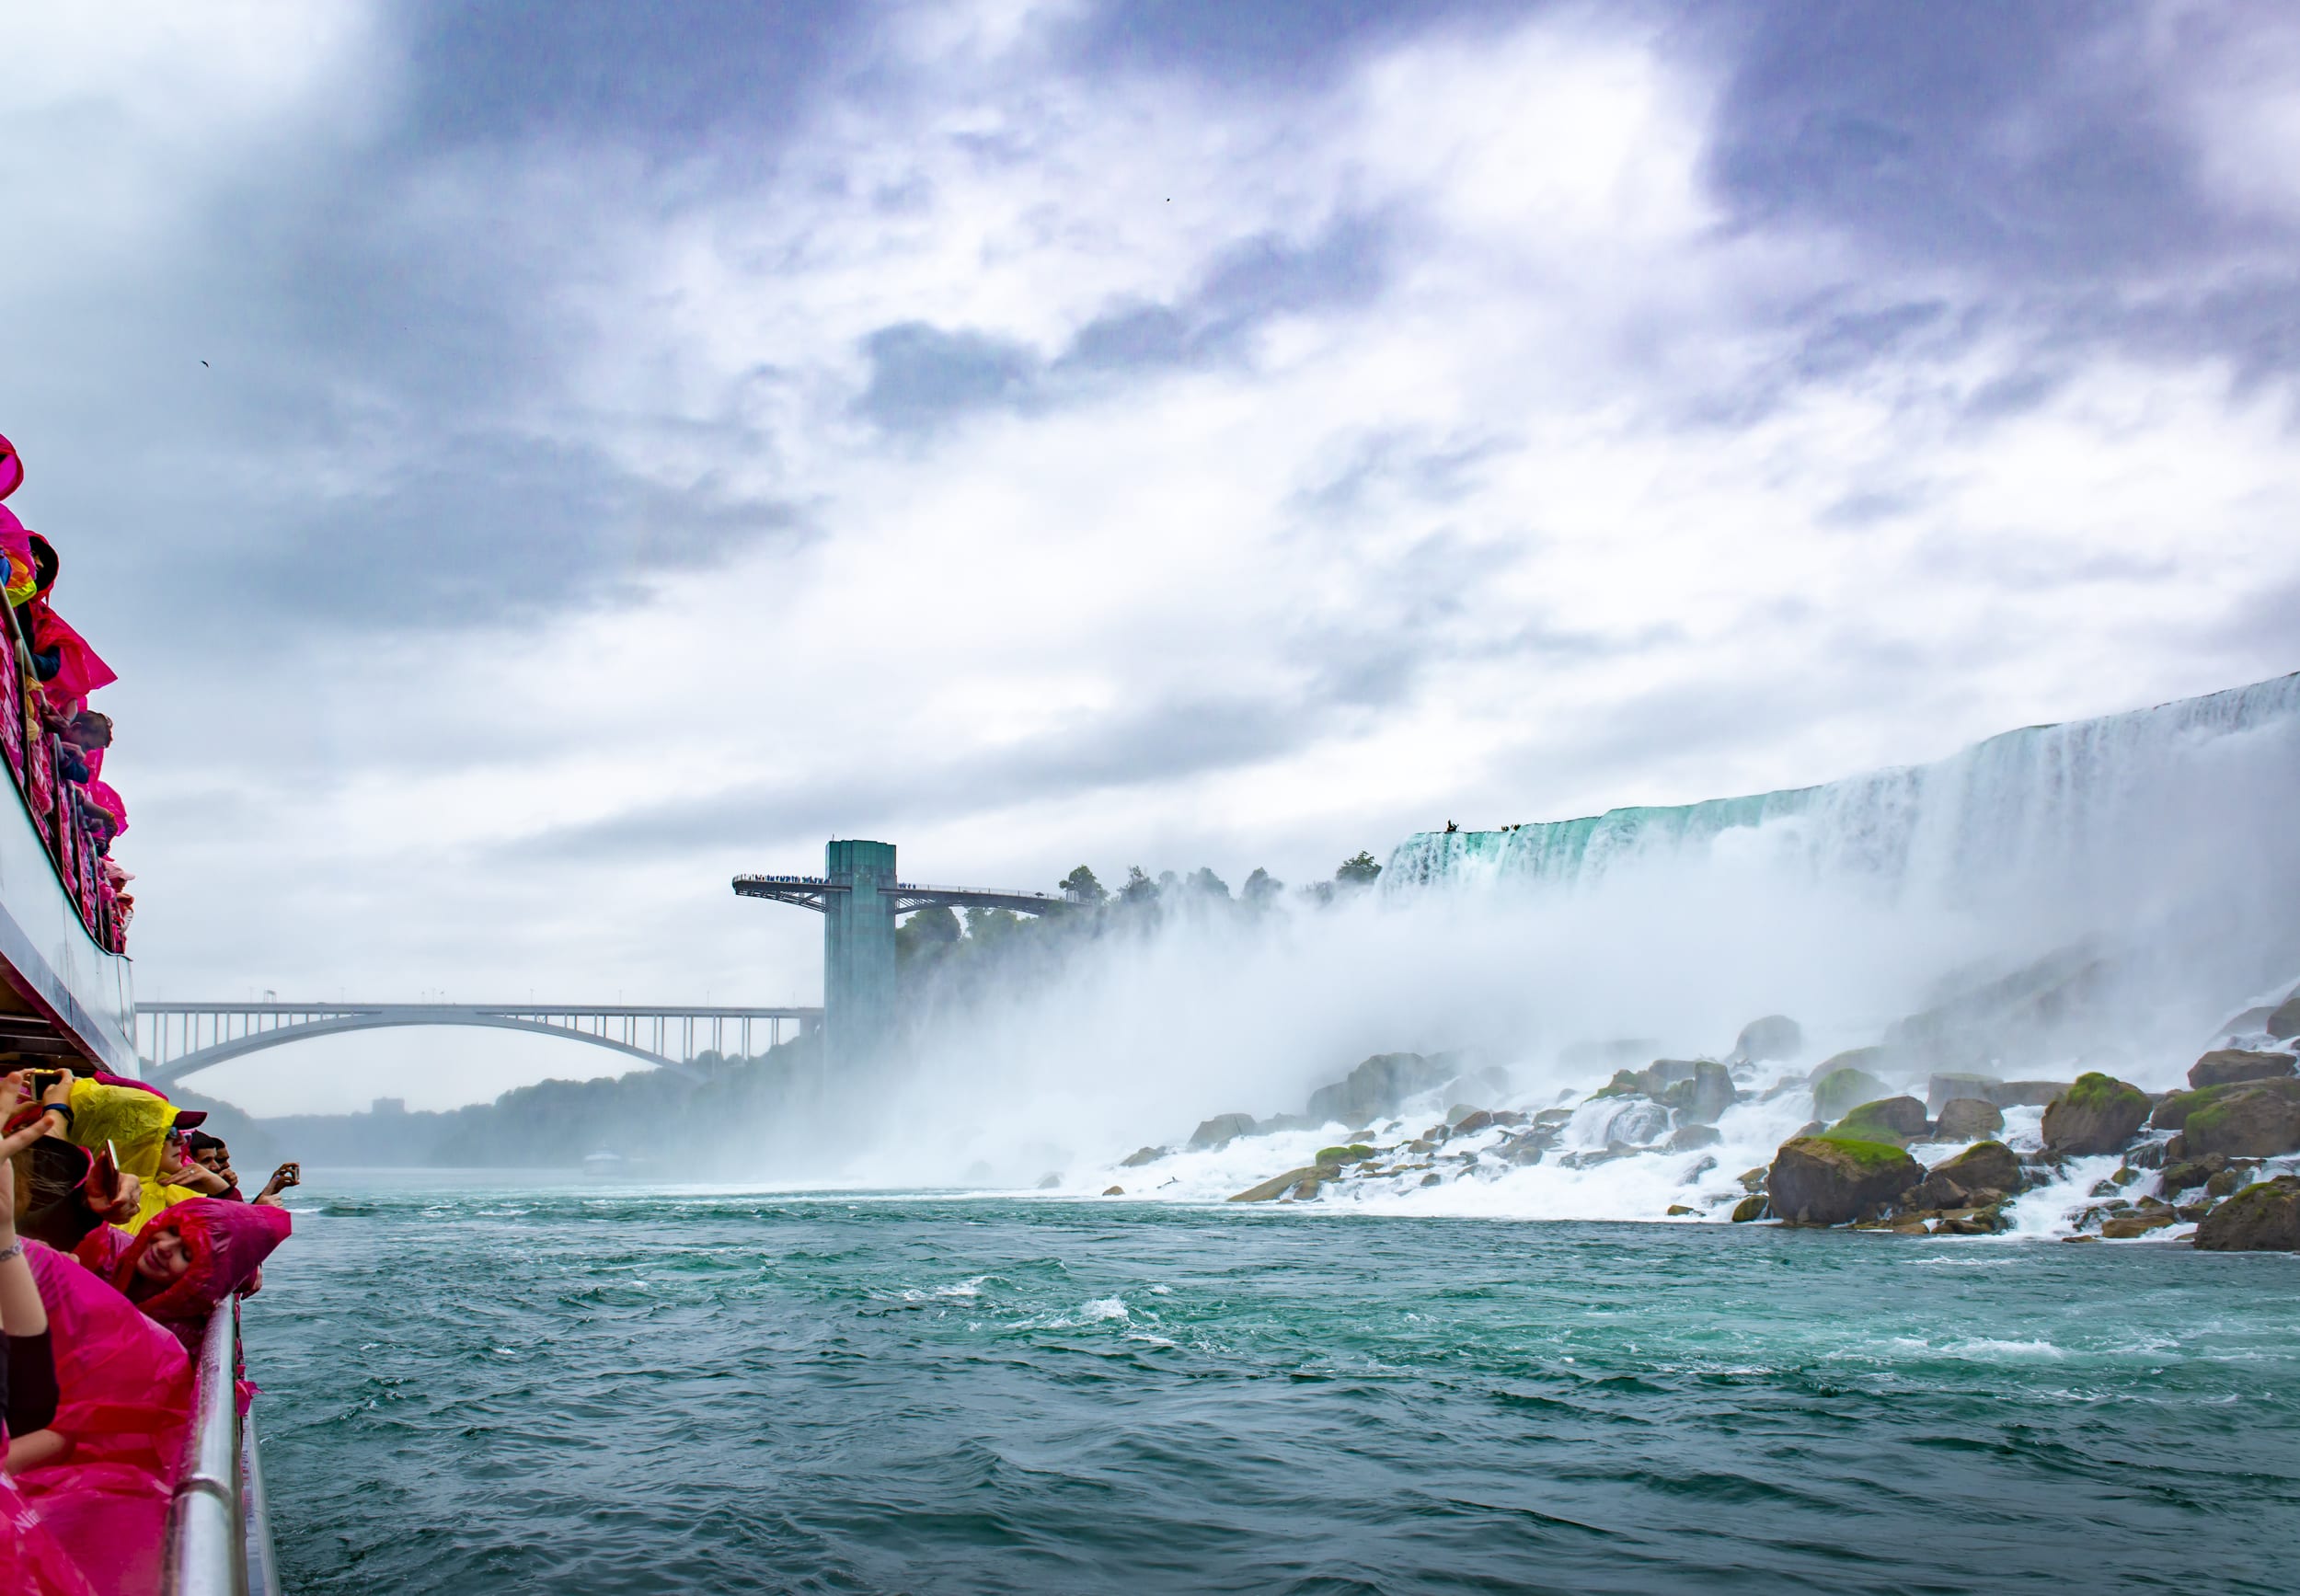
{"x":531,"y":462}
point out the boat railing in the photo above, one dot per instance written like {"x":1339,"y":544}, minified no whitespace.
{"x":218,"y":1528}
{"x":34,"y":757}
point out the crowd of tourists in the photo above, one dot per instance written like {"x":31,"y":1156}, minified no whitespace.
{"x":54,"y":743}
{"x":122,"y":1229}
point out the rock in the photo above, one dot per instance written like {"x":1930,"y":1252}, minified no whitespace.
{"x":1509,"y":1117}
{"x":1692,"y":1175}
{"x":1868,"y":1060}
{"x":2097,"y":1114}
{"x":1842,"y":1090}
{"x":1936,"y":1191}
{"x":1821,"y":1180}
{"x":1700,"y":1099}
{"x":1942,"y":1090}
{"x":1432,"y":1178}
{"x":1308,"y":1191}
{"x":1140,"y":1156}
{"x":1774,"y":1037}
{"x":1972,"y":1221}
{"x":1278,"y":1185}
{"x":1811,"y":1128}
{"x":1968,"y":1119}
{"x":1985,"y":1164}
{"x":2230,"y":1066}
{"x":1525,"y":1150}
{"x":1470,"y":1124}
{"x":1553,"y":1118}
{"x":1678,"y":1211}
{"x":1335,"y":1157}
{"x":1897,"y":1120}
{"x":2024,"y":1094}
{"x":1220,"y":1131}
{"x":2124,"y":1226}
{"x":1114,"y":1191}
{"x":1379,"y":1086}
{"x":1685,"y":1138}
{"x":2224,"y":1183}
{"x":1049,"y":1182}
{"x":1753,"y":1180}
{"x":1749,"y":1208}
{"x":2284,"y":1023}
{"x":2145,"y":1156}
{"x":2191,"y":1172}
{"x":2254,"y":1119}
{"x":2263,"y":1217}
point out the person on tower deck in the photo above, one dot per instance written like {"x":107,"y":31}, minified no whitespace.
{"x":68,"y":668}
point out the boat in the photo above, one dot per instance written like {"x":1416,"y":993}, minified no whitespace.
{"x":67,"y":1000}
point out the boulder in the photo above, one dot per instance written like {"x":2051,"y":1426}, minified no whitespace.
{"x":2224,"y":1183}
{"x":1049,"y":1182}
{"x":1811,"y":1128}
{"x":1143,"y":1155}
{"x":1753,"y":1180}
{"x":1942,"y":1090}
{"x":2284,"y":1024}
{"x":2191,"y":1172}
{"x":1968,"y":1119}
{"x":1335,"y":1157}
{"x":1470,"y":1124}
{"x":2263,"y":1217}
{"x":1679,"y":1211}
{"x":2125,"y":1226}
{"x":2097,"y":1114}
{"x":1701,"y":1166}
{"x":1840,"y":1090}
{"x":2255,"y":1119}
{"x":1114,"y":1191}
{"x":1822,"y":1181}
{"x":1702,"y":1096}
{"x":2232,"y":1066}
{"x":1685,"y":1138}
{"x":2023,"y":1094}
{"x":1749,"y":1208}
{"x":1379,"y":1086}
{"x":1896,"y":1119}
{"x":1869,"y":1059}
{"x":1459,"y":1112}
{"x":1220,"y":1131}
{"x":1985,"y":1166}
{"x":1774,"y":1037}
{"x":1277,"y":1186}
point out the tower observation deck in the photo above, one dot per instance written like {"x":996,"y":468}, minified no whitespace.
{"x":859,"y":896}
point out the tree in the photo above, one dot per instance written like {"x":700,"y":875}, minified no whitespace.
{"x":1360,"y":871}
{"x":1261,"y":888}
{"x":936,"y":926}
{"x":1139,"y":888}
{"x":1081,"y":887}
{"x":1204,"y":881}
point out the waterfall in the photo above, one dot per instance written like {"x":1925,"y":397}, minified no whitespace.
{"x":2041,"y":808}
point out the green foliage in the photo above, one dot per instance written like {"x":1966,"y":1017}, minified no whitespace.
{"x":1140,"y":890}
{"x":1861,"y":1125}
{"x":1081,"y":884}
{"x":1262,"y":889}
{"x":1207,"y":884}
{"x":925,"y":934}
{"x":1359,"y":871}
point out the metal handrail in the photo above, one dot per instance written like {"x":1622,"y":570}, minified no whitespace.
{"x":210,"y":1534}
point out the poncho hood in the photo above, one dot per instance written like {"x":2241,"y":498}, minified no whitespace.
{"x":227,"y":1241}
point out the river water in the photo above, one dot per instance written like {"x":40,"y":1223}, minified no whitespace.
{"x":483,"y":1383}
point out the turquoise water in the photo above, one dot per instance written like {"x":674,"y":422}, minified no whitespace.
{"x":472,"y":1385}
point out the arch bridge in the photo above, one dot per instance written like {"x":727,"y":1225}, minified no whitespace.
{"x":174,"y":1039}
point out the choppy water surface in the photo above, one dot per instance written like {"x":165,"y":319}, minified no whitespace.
{"x":477,"y":1386}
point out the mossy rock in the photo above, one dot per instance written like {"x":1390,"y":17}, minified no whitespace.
{"x":2097,"y":1114}
{"x":1839,"y":1092}
{"x":2254,"y":1119}
{"x":2233,"y":1066}
{"x":1899,"y":1120}
{"x":1355,"y":1153}
{"x":2263,"y":1217}
{"x":1831,"y":1180}
{"x":1749,"y":1208}
{"x":1277,"y":1186}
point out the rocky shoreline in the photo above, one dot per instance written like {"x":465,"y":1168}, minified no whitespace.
{"x":2216,"y":1162}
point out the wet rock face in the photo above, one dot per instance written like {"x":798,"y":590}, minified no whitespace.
{"x":1866,"y":1059}
{"x":1896,"y":1120}
{"x":2125,"y":1226}
{"x":1817,"y":1180}
{"x":1685,"y":1138}
{"x":1701,"y":1098}
{"x":2256,"y":1119}
{"x":2263,"y":1217}
{"x":2233,"y":1066}
{"x":1749,"y":1208}
{"x":1968,"y":1119}
{"x":2097,"y":1114}
{"x":1988,"y":1165}
{"x":2024,"y":1094}
{"x":1140,"y":1156}
{"x":1375,"y":1088}
{"x":1764,"y":1040}
{"x":1220,"y":1131}
{"x":2284,"y":1023}
{"x":1839,"y":1092}
{"x":1278,"y":1185}
{"x":1942,"y":1090}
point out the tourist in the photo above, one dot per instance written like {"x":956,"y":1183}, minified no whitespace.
{"x":193,"y":1259}
{"x":28,"y":1375}
{"x":211,"y":1154}
{"x":68,"y":668}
